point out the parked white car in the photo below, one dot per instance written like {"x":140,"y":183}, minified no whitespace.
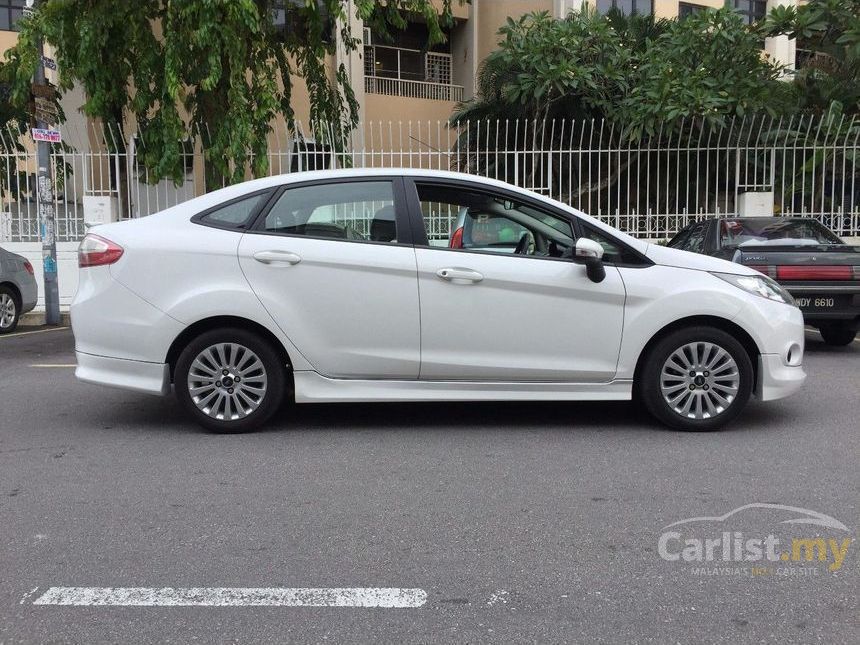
{"x":341,"y":286}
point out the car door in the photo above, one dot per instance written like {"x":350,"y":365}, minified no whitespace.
{"x":334,"y":265}
{"x":512,"y":306}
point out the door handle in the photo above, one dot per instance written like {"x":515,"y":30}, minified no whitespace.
{"x":456,"y":273}
{"x":277,"y":257}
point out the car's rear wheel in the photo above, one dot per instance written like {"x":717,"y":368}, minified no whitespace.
{"x":10,"y":312}
{"x":698,"y":378}
{"x":837,"y":335}
{"x":230,"y":380}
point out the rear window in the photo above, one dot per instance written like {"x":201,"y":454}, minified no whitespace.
{"x":737,"y":232}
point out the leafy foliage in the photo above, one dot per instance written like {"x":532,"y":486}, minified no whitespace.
{"x":830,"y":29}
{"x":637,"y":72}
{"x":223,"y":68}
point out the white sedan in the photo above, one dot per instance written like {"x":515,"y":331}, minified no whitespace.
{"x":343,"y":286}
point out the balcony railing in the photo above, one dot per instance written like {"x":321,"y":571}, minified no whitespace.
{"x":413,"y":89}
{"x":397,"y":71}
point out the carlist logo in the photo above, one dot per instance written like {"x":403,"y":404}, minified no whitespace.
{"x":715,"y":545}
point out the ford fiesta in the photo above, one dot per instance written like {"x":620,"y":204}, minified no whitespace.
{"x":342,"y":286}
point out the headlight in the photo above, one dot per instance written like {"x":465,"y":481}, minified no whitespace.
{"x":760,"y":285}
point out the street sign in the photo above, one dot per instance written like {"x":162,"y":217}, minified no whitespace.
{"x":49,"y":63}
{"x":41,"y":134}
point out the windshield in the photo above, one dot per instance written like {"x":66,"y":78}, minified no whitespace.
{"x":774,"y":231}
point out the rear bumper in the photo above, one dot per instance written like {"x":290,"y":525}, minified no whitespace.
{"x":29,"y":296}
{"x":776,"y":380}
{"x":137,"y":376}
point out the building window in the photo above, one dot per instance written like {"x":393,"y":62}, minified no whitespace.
{"x":751,"y":10}
{"x":687,"y":9}
{"x":627,"y":7}
{"x":401,"y":65}
{"x":10,"y":13}
{"x":288,"y":19}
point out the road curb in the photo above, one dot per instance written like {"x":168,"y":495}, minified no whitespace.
{"x":37,"y":319}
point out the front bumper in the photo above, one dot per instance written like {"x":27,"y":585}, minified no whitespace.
{"x":137,"y":376}
{"x":776,"y":380}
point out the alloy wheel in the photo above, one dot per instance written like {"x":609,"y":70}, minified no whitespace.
{"x":700,"y":380}
{"x":8,"y":310}
{"x":227,"y":381}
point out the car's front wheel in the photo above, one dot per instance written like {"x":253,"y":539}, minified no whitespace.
{"x":698,"y":378}
{"x":230,"y":380}
{"x":9,"y":310}
{"x":837,"y":335}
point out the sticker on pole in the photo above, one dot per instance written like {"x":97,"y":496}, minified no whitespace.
{"x":41,"y":134}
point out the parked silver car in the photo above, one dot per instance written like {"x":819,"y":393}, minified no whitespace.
{"x":18,"y":290}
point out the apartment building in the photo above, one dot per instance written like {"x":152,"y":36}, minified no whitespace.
{"x":404,"y":79}
{"x":401,"y":77}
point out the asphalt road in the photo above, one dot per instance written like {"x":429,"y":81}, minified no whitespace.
{"x":522,"y":523}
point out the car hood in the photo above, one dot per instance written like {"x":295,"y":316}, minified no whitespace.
{"x":686,"y":260}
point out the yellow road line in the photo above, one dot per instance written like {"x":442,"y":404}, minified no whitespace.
{"x":27,"y":333}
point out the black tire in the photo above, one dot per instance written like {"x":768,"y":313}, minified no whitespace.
{"x":837,"y":335}
{"x":9,"y":299}
{"x":708,"y":388}
{"x":270,"y":378}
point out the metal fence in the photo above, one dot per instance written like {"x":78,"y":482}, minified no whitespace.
{"x":648,"y":186}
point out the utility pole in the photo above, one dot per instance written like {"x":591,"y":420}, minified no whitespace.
{"x":45,"y":204}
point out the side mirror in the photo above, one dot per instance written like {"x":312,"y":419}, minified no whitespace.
{"x":590,"y":253}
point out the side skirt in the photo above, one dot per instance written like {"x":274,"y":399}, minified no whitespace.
{"x":311,"y":387}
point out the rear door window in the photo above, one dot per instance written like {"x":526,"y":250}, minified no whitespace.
{"x":355,"y":211}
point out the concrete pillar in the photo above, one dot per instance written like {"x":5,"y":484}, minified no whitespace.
{"x":353,"y":62}
{"x":464,"y":52}
{"x":781,"y":49}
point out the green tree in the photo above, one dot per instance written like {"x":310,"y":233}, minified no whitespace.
{"x":229,"y":63}
{"x":830,"y":31}
{"x":636,"y":72}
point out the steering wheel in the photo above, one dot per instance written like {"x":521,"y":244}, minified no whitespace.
{"x":522,"y":245}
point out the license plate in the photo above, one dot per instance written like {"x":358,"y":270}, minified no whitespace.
{"x":818,"y":303}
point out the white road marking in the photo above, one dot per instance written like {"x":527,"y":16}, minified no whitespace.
{"x":27,"y":333}
{"x":499,"y":596}
{"x":233,"y":597}
{"x":54,"y":365}
{"x":28,"y":595}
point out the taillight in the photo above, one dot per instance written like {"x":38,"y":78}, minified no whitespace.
{"x":28,"y":267}
{"x":97,"y":251}
{"x":457,"y":239}
{"x":844,"y":272}
{"x":769,"y":271}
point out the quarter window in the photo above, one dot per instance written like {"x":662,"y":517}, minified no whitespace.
{"x":358,"y":211}
{"x":696,"y":241}
{"x":236,"y":214}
